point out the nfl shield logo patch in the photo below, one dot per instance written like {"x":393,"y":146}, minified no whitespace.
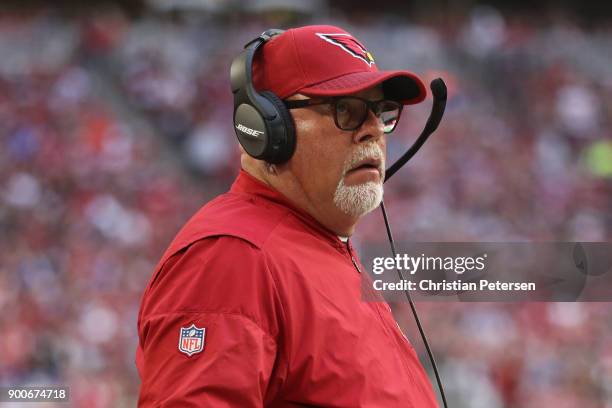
{"x":191,"y":340}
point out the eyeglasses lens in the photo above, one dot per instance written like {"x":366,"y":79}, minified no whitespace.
{"x":352,"y":112}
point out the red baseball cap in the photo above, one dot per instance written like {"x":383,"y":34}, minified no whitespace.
{"x":325,"y":60}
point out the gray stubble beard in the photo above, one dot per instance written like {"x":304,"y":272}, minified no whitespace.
{"x":360,"y":199}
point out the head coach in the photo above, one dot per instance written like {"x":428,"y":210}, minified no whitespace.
{"x":257,"y":300}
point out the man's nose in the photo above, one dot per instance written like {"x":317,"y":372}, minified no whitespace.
{"x":372,"y":129}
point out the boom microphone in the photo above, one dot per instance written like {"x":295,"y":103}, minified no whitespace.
{"x":438,"y":89}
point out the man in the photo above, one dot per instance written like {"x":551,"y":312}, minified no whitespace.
{"x":257,"y":302}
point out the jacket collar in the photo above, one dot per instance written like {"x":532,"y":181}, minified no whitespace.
{"x":247,"y":184}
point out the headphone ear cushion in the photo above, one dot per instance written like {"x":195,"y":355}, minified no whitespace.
{"x":286,"y":145}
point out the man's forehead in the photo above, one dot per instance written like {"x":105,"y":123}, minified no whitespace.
{"x":372,"y":93}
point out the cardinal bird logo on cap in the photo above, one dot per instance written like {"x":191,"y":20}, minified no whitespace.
{"x":350,"y":45}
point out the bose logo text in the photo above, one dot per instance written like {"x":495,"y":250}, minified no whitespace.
{"x":248,"y":130}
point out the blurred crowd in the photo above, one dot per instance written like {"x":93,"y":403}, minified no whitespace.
{"x":113,"y":131}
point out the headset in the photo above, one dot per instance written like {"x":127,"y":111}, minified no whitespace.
{"x":265,"y":130}
{"x":262,"y":123}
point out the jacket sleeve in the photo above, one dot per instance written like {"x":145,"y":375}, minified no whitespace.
{"x":222,"y":285}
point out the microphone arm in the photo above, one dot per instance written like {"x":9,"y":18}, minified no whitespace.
{"x":438,"y":89}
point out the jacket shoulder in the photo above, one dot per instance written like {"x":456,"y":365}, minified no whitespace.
{"x":243,"y":216}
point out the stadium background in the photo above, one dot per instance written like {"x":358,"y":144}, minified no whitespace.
{"x":115,"y":127}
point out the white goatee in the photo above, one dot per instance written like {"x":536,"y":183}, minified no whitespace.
{"x":360,"y":199}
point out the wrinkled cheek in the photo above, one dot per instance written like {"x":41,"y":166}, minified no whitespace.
{"x":319,"y":156}
{"x":315,"y":145}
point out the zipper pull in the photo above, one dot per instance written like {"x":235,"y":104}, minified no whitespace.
{"x":348,"y":248}
{"x":355,"y":263}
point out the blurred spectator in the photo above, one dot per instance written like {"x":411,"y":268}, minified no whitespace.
{"x":89,"y":197}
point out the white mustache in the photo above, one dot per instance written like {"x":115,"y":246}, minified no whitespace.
{"x":371,"y":151}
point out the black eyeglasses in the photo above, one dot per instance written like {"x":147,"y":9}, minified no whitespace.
{"x":350,"y":112}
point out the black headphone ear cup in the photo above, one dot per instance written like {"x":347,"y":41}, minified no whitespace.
{"x":280,"y":147}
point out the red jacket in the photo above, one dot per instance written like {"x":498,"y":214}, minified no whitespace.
{"x":256,"y":304}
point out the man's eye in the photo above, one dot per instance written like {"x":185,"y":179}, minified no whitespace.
{"x":342,"y":107}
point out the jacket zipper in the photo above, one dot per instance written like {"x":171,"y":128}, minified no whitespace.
{"x":355,"y":264}
{"x":387,"y":327}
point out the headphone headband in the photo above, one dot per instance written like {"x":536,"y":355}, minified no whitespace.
{"x":262,"y":123}
{"x":241,"y":71}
